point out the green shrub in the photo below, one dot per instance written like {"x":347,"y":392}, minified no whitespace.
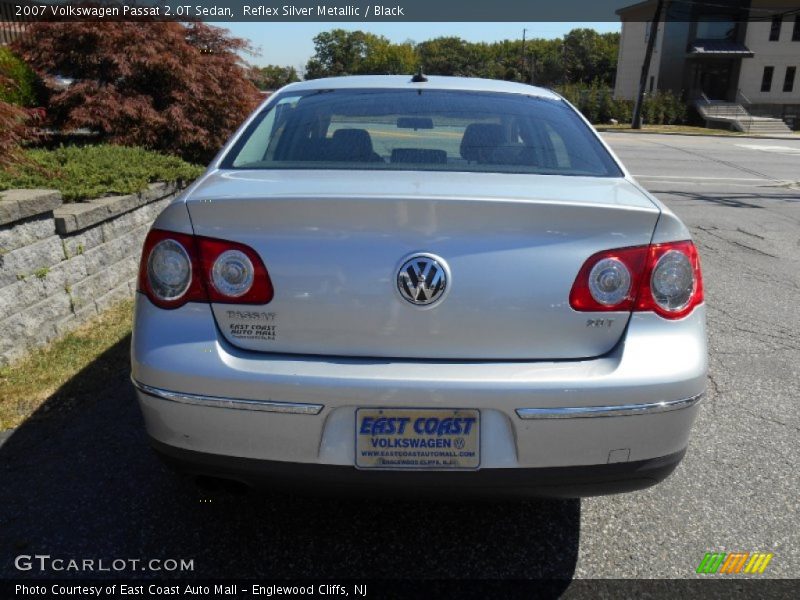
{"x":622,"y":111}
{"x":664,"y":108}
{"x":597,"y":103}
{"x":82,"y":172}
{"x":21,"y":81}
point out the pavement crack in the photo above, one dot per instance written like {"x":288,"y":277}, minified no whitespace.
{"x":755,"y":235}
{"x":710,"y":231}
{"x":752,"y":249}
{"x":714,"y":384}
{"x":761,"y":417}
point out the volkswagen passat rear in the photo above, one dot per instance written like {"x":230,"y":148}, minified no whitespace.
{"x":442,"y":283}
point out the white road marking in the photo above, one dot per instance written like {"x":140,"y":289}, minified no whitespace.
{"x":777,"y":149}
{"x":733,"y":182}
{"x":684,"y":177}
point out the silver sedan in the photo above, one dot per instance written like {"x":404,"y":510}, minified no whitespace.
{"x":422,"y":283}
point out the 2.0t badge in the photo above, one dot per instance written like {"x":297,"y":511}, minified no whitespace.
{"x":422,"y":279}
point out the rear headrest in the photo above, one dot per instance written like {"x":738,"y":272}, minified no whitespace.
{"x":480,"y":140}
{"x":352,"y":144}
{"x":419,"y":155}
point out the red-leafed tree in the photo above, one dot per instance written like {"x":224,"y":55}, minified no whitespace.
{"x":12,"y":127}
{"x":168,"y":86}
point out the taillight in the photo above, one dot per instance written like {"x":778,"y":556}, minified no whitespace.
{"x":177,"y":268}
{"x":663,"y":278}
{"x":608,"y":280}
{"x":673,"y":283}
{"x":168,"y":271}
{"x":233,"y":272}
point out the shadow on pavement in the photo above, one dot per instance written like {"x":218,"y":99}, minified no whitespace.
{"x":734,"y":199}
{"x":83,"y":483}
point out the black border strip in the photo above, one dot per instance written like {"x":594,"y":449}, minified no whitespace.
{"x":365,"y":11}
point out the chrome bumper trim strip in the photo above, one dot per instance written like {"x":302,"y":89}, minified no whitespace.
{"x":235,"y":403}
{"x":623,"y":410}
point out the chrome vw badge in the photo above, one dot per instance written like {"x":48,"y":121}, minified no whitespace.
{"x":422,"y":279}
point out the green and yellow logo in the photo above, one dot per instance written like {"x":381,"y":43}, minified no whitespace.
{"x":734,"y":562}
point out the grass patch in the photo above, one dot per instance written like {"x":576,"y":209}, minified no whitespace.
{"x":83,"y":172}
{"x":26,"y":385}
{"x":669,"y":129}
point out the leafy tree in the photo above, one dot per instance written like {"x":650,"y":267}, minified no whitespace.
{"x":590,"y":56}
{"x":582,"y":55}
{"x":162,"y":85}
{"x":454,"y":56}
{"x":12,"y":127}
{"x":21,"y":89}
{"x":546,"y":63}
{"x":337,"y":52}
{"x":273,"y":77}
{"x":443,"y":56}
{"x":383,"y":57}
{"x":16,"y":92}
{"x":341,"y":52}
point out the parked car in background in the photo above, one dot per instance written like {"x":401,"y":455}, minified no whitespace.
{"x":420,"y":283}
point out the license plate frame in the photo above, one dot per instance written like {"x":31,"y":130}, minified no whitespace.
{"x":448,"y":439}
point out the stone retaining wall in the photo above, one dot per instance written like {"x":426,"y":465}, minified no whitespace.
{"x":62,"y":264}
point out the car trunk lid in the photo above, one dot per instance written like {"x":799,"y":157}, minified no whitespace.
{"x":334,"y":241}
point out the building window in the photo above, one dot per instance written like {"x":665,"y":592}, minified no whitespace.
{"x":652,"y":82}
{"x":788,"y":81}
{"x":716,"y":27}
{"x":766,"y":79}
{"x":775,"y":30}
{"x":796,"y":30}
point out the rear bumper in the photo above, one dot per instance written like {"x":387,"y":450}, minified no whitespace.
{"x":556,"y":482}
{"x":200,"y":395}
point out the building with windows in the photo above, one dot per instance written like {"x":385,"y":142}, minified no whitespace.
{"x":736,"y":61}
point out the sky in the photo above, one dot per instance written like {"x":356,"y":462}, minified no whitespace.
{"x":290,"y":44}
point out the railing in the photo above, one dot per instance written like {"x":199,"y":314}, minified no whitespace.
{"x":11,"y":26}
{"x":734,"y":112}
{"x":737,"y":113}
{"x":744,"y":102}
{"x":741,"y":98}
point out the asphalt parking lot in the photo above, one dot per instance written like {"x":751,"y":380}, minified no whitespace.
{"x":738,"y":487}
{"x":84,"y":484}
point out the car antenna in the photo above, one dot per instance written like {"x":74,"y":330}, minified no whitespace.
{"x":419,"y":77}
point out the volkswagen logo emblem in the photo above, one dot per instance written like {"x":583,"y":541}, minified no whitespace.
{"x":422,"y":279}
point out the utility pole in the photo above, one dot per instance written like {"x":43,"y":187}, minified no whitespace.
{"x":522,"y":71}
{"x":651,"y":42}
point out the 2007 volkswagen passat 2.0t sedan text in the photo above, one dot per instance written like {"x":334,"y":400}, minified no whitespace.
{"x":420,"y":283}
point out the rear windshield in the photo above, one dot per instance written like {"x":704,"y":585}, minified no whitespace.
{"x":435,"y":130}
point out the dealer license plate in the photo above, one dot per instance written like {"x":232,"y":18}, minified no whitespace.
{"x":418,"y":438}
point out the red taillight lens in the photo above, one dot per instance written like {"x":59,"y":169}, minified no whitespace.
{"x":663,"y":278}
{"x":598,"y":289}
{"x":168,"y":271}
{"x":673,"y":283}
{"x":234,"y":273}
{"x":177,"y":268}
